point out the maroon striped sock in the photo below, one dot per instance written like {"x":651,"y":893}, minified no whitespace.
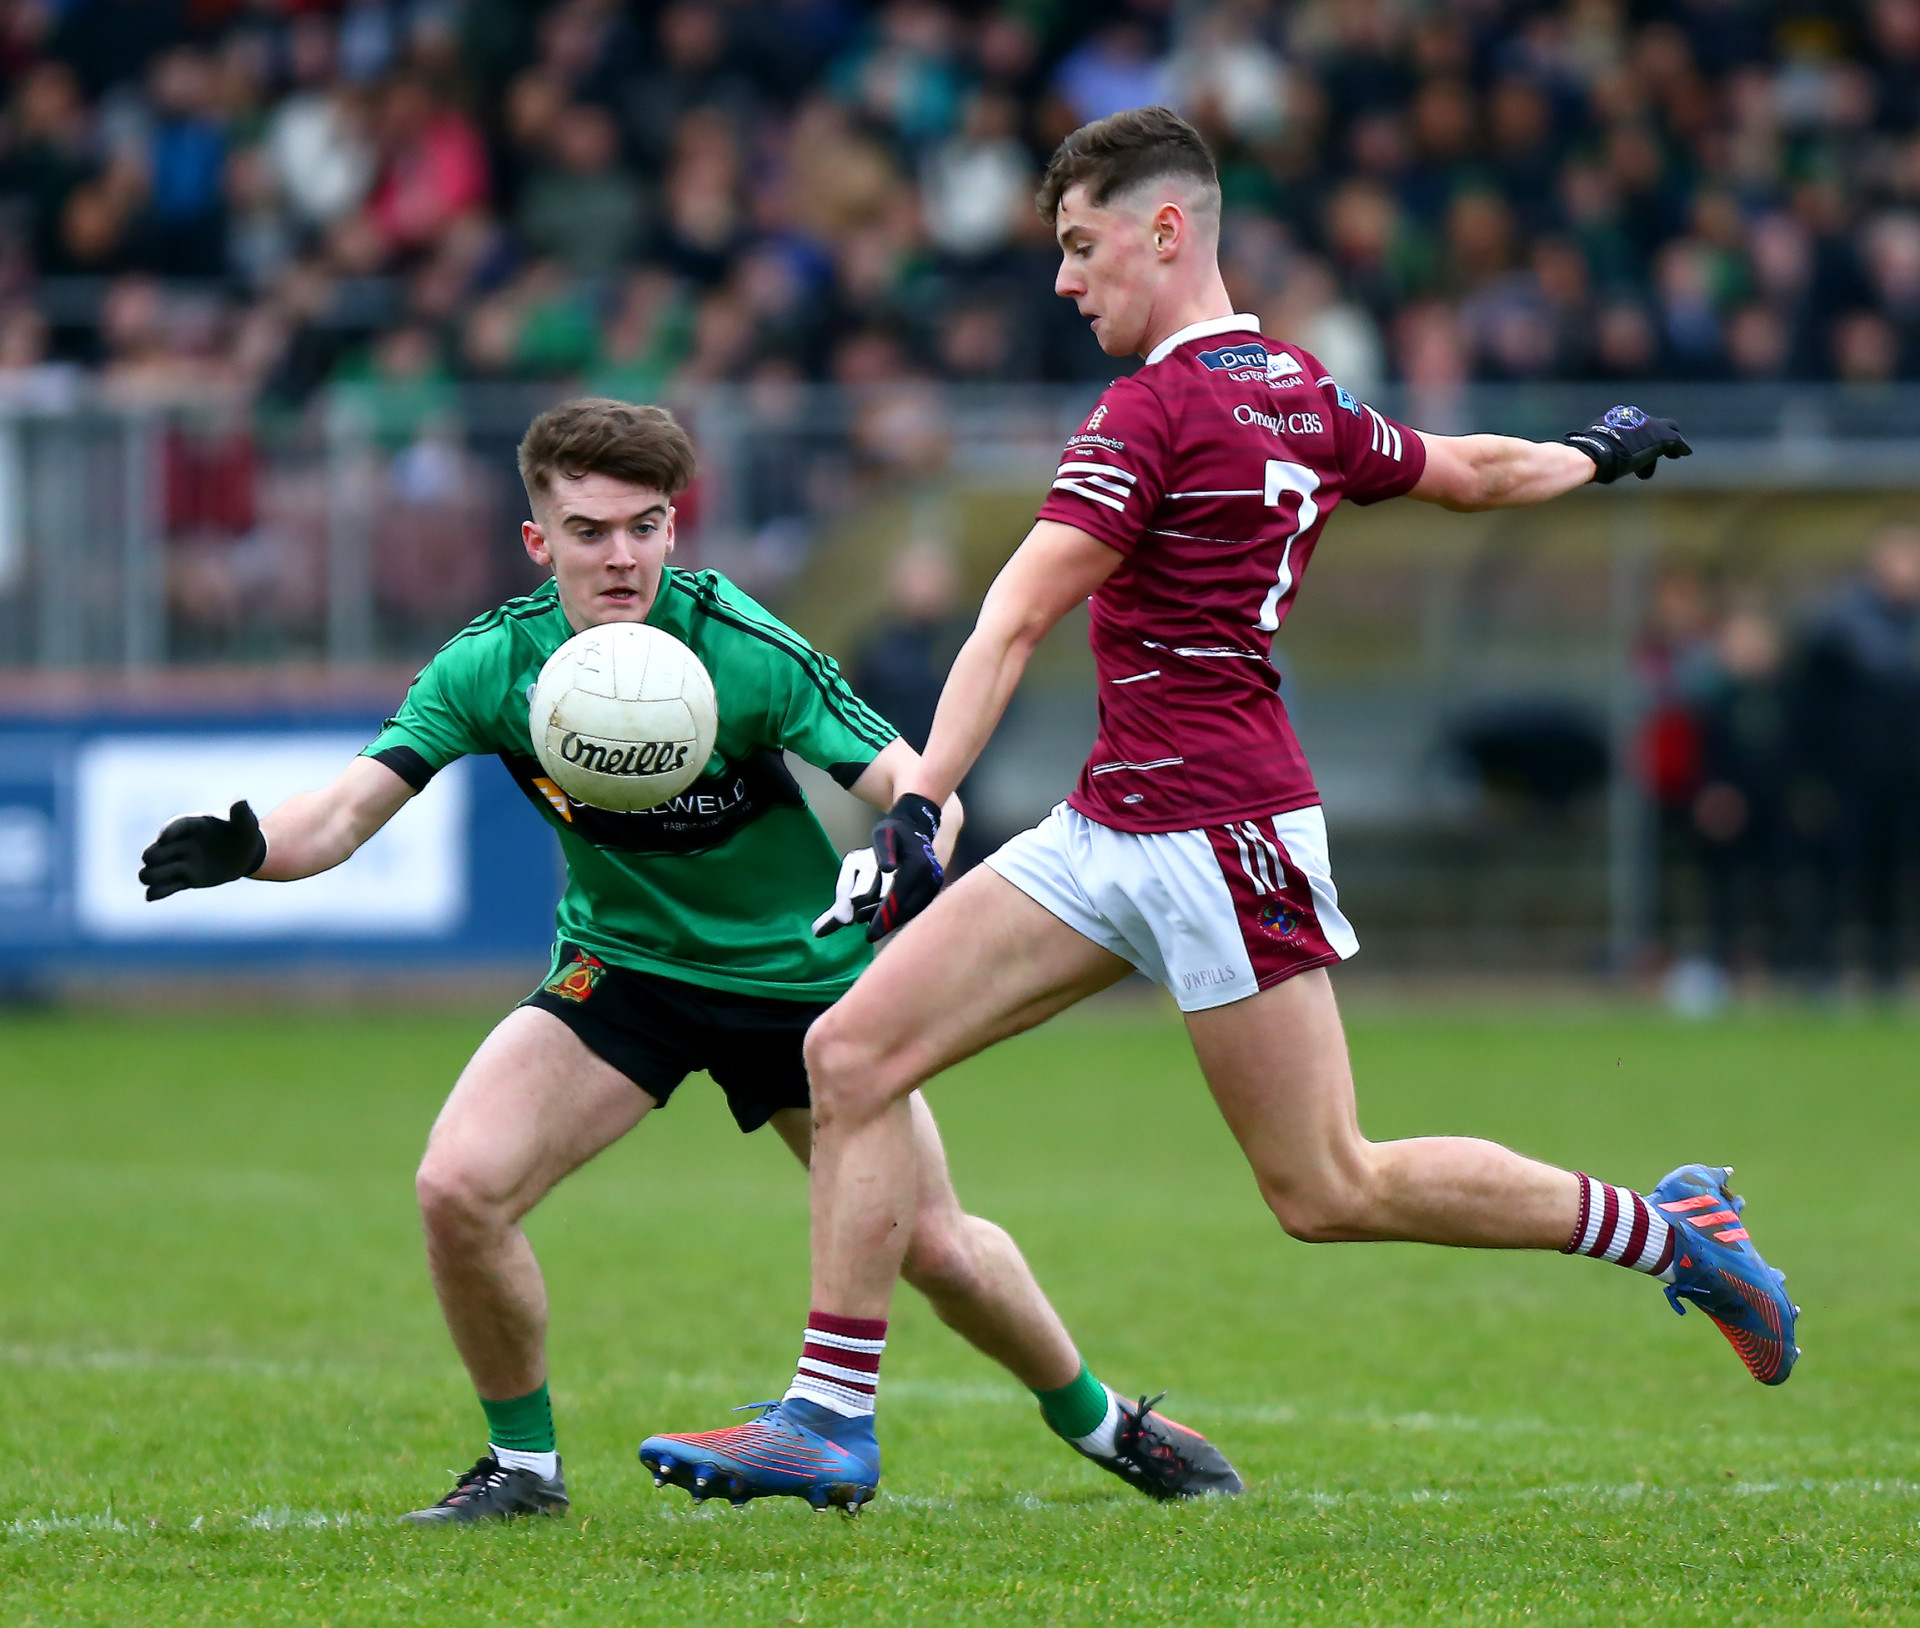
{"x":1616,"y":1224}
{"x":840,"y":1363}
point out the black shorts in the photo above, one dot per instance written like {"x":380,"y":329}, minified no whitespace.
{"x":657,"y":1031}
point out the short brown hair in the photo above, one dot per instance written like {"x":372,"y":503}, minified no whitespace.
{"x":1122,"y":150}
{"x":596,"y":435}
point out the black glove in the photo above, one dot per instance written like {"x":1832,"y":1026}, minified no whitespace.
{"x":1624,"y":441}
{"x":903,"y":844}
{"x":203,"y":850}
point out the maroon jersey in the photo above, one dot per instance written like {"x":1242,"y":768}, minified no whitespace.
{"x":1212,"y":471}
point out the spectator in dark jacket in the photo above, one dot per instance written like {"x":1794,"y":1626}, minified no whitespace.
{"x":1745,"y":720}
{"x":1862,"y":685}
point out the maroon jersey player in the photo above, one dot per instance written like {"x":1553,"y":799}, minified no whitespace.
{"x":1211,"y":473}
{"x":1186,"y":509}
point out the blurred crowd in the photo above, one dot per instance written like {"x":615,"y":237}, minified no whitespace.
{"x":250,"y":200}
{"x":1783,"y":759}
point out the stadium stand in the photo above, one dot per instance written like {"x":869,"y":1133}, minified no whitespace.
{"x":246,"y":201}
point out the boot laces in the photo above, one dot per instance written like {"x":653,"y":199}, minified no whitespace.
{"x":1149,"y":1449}
{"x":486,"y":1474}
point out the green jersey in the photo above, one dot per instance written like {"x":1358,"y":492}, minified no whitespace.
{"x":718,"y":886}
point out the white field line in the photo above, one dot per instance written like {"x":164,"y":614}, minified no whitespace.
{"x":930,"y":1393}
{"x":73,"y":1359}
{"x":282,"y":1518}
{"x":1860,"y":1487}
{"x":278,"y":1518}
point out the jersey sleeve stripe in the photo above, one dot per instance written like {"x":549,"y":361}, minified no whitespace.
{"x":1074,"y":466}
{"x":1080,"y":488}
{"x":1386,"y":438}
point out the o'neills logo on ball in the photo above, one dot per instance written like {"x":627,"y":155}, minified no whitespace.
{"x":648,"y":757}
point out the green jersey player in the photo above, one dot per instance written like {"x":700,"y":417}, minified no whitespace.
{"x":684,"y":944}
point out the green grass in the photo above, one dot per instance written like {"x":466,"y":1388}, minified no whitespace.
{"x":223,"y":1371}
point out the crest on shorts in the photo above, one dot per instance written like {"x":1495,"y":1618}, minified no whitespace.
{"x":575,"y":981}
{"x":1277,"y":918}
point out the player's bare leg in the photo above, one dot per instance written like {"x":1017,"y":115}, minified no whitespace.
{"x":984,"y":962}
{"x":1277,"y":1066}
{"x":971,"y":1272}
{"x":533,"y":1105}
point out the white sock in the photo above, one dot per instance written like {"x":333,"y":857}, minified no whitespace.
{"x":544,"y":1465}
{"x":1100,"y":1440}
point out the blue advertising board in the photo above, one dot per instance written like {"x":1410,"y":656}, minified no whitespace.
{"x":465,"y":875}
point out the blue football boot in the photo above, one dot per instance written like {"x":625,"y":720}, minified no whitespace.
{"x":795,"y":1449}
{"x":1717,"y":1268}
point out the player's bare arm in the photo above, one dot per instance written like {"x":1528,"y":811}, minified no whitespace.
{"x":895,"y":878}
{"x":313,"y":831}
{"x":310,"y":832}
{"x":1475,"y":472}
{"x":1055,"y":569}
{"x":894,"y":773}
{"x":1469,"y":473}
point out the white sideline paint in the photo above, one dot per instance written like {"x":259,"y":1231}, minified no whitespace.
{"x":62,"y":1359}
{"x":283,"y":1519}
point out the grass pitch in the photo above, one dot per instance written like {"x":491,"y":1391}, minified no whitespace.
{"x":224,"y":1373}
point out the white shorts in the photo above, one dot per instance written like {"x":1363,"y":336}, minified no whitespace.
{"x":1215,"y":915}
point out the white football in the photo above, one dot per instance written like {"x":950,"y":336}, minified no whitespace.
{"x":623,"y":716}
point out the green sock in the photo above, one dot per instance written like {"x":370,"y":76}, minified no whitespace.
{"x":1075,"y":1410}
{"x":523,"y":1423}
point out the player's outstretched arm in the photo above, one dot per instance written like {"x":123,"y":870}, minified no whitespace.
{"x":1056,"y":568}
{"x":1474,"y":472}
{"x":890,"y":883}
{"x":885,"y":782}
{"x":310,"y":832}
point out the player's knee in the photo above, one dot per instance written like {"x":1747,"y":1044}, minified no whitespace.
{"x":940,"y":1264}
{"x":1329,"y":1207}
{"x":454,"y":1203}
{"x":846,"y":1073}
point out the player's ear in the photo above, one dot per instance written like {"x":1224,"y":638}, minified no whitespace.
{"x":535,"y":541}
{"x":672,"y":512}
{"x":1169,"y":227}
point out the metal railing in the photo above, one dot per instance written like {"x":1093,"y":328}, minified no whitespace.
{"x":358,"y":536}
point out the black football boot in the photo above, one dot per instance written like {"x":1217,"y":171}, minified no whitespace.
{"x":491,"y":1491}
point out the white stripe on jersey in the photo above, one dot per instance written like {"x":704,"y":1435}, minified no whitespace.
{"x":1076,"y":467}
{"x":1081,"y":489}
{"x":1195,"y":537}
{"x":1386,"y":438}
{"x":1157,"y":763}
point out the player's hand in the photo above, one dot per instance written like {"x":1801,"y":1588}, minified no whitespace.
{"x":858,"y":893}
{"x":1624,"y":441}
{"x":903,"y":845}
{"x":203,"y":850}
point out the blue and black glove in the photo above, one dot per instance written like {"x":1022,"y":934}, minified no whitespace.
{"x":889,"y":884}
{"x":903,"y":844}
{"x":203,"y":850}
{"x":1624,"y":441}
